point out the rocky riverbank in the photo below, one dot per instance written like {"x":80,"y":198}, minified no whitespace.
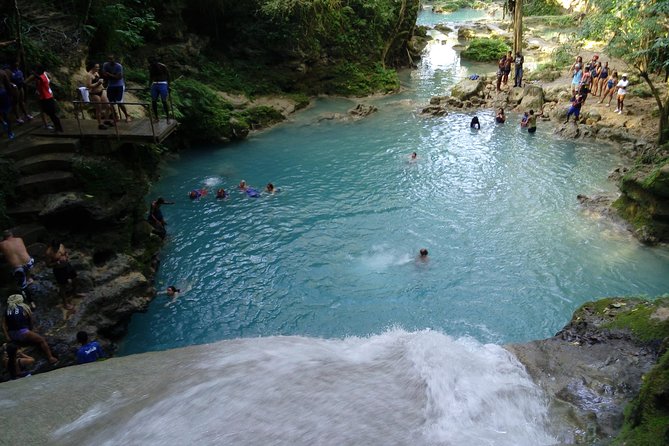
{"x":595,"y":366}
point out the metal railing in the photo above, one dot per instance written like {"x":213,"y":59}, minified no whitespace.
{"x":80,"y":105}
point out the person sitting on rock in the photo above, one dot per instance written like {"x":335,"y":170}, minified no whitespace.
{"x":17,"y":325}
{"x":89,"y":351}
{"x":16,"y":362}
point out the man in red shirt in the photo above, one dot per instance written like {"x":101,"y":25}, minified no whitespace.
{"x":46,"y":100}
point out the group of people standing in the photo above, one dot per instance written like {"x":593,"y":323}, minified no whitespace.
{"x":106,"y":86}
{"x":13,"y":94}
{"x":596,"y":79}
{"x":504,"y":70}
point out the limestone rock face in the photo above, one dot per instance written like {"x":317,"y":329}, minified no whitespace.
{"x":588,"y":370}
{"x":467,"y":88}
{"x":362,"y":111}
{"x":533,"y":98}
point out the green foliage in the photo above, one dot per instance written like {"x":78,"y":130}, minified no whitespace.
{"x":639,"y":321}
{"x":352,"y":79}
{"x":486,"y":50}
{"x":118,"y":26}
{"x":546,"y":72}
{"x":204,"y":115}
{"x":564,"y":53}
{"x":542,"y":7}
{"x":261,"y":116}
{"x":640,"y":90}
{"x":103,"y":177}
{"x":647,"y":416}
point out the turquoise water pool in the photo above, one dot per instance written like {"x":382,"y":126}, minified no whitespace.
{"x":333,"y":254}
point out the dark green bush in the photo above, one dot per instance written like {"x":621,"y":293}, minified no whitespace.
{"x":204,"y":115}
{"x":486,"y":50}
{"x":542,"y":7}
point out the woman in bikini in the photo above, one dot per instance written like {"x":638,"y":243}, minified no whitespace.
{"x":97,"y":94}
{"x":610,"y":88}
{"x":603,"y":75}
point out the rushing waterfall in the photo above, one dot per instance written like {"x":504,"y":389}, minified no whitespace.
{"x":397,"y":388}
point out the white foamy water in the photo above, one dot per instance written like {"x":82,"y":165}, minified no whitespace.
{"x":397,"y":388}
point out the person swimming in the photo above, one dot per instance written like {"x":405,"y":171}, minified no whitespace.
{"x":475,"y":124}
{"x":242,"y":185}
{"x":221,"y":193}
{"x":196,"y":194}
{"x":500,"y":118}
{"x":270,"y":188}
{"x":422,"y":255}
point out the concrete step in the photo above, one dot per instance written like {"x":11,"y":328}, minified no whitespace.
{"x":31,"y":233}
{"x":24,"y":212}
{"x":45,"y":162}
{"x":46,"y":182}
{"x":32,"y":146}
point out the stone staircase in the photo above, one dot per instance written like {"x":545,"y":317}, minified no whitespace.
{"x":44,"y":165}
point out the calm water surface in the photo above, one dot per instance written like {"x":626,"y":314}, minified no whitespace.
{"x":333,"y":254}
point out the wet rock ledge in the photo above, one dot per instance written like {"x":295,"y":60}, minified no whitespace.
{"x":594,"y":368}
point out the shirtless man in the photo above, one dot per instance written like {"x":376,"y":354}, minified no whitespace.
{"x":17,"y":256}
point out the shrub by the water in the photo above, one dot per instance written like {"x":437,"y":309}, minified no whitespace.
{"x":486,"y":50}
{"x":542,"y":7}
{"x":204,"y":115}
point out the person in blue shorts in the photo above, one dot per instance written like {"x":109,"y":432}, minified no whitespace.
{"x":113,"y":72}
{"x":575,"y":108}
{"x":89,"y":351}
{"x":159,"y":77}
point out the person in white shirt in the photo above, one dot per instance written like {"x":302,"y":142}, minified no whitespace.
{"x":622,"y":91}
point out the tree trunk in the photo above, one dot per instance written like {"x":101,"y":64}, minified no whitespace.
{"x":518,"y":27}
{"x":393,"y":37}
{"x":663,"y":106}
{"x":19,"y":38}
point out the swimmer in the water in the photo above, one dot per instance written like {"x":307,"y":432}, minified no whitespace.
{"x":422,"y":255}
{"x":242,"y":185}
{"x":196,"y":194}
{"x":270,"y":188}
{"x":500,"y":118}
{"x":475,"y":124}
{"x":221,"y":193}
{"x":414,"y":156}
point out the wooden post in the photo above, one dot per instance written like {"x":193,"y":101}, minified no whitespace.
{"x":518,"y":27}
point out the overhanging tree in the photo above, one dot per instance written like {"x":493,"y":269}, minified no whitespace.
{"x":641,"y":38}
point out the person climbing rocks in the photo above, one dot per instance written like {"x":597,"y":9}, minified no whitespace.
{"x":17,"y":325}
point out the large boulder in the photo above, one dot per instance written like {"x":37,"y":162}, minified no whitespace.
{"x":467,"y":88}
{"x":533,"y":98}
